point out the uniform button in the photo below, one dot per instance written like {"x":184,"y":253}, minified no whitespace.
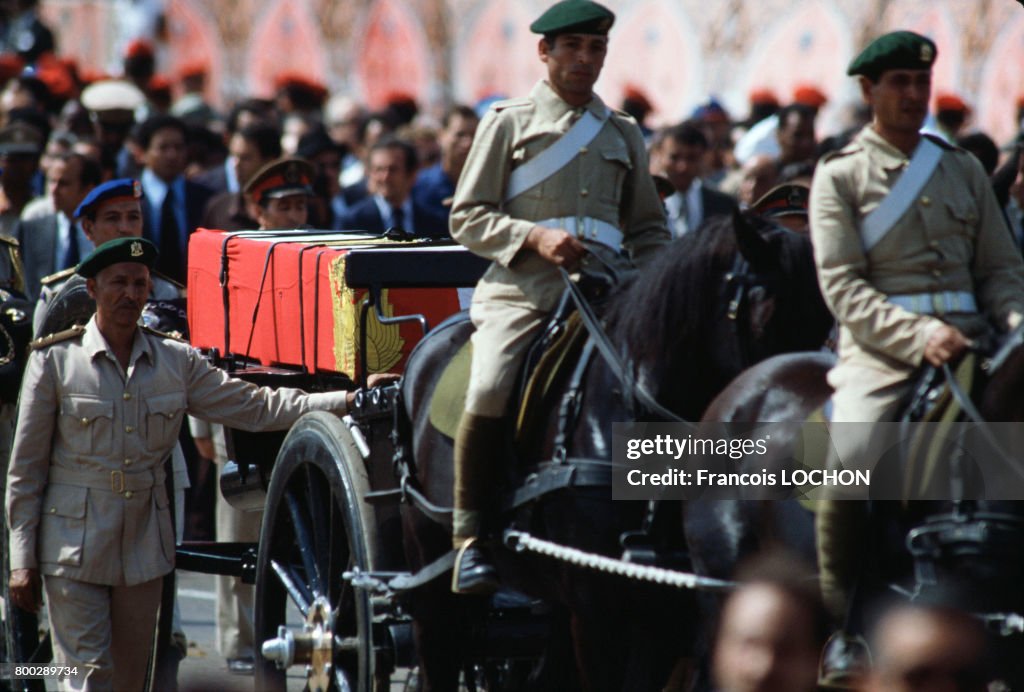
{"x":127,"y":462}
{"x":127,"y":494}
{"x":126,"y":396}
{"x":936,"y":273}
{"x":926,"y":200}
{"x":85,"y":421}
{"x":584,"y":192}
{"x":53,"y":510}
{"x":129,"y":429}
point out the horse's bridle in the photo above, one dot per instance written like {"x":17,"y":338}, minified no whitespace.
{"x":739,"y":283}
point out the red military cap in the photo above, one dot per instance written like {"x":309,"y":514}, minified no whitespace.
{"x":281,"y":178}
{"x":950,"y":102}
{"x":763,"y":97}
{"x":809,"y":95}
{"x":139,"y":48}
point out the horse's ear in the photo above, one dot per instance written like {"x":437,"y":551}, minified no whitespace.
{"x":754,"y":248}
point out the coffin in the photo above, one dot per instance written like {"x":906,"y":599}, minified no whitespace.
{"x":293,"y":298}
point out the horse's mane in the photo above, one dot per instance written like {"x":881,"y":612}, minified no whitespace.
{"x":667,"y":321}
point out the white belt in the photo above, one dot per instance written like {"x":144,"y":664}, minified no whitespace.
{"x":936,"y":303}
{"x":587,"y":228}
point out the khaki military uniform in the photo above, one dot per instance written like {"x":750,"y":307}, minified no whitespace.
{"x":952,"y":238}
{"x":608,"y":180}
{"x":86,"y":501}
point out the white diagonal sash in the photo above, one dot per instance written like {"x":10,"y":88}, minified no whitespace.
{"x":880,"y":221}
{"x":555,"y":157}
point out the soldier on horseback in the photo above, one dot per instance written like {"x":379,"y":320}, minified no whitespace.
{"x":545,"y":172}
{"x":914,"y":260}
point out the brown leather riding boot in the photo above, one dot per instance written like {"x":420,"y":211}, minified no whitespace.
{"x":477,"y":451}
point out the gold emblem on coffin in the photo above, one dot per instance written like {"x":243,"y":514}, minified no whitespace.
{"x":384,"y":343}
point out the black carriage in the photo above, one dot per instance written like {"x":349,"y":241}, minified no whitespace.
{"x":329,"y":569}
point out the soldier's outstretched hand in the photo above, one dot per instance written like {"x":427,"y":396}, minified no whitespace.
{"x":555,"y":245}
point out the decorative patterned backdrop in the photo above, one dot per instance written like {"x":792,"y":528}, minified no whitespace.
{"x":678,"y":51}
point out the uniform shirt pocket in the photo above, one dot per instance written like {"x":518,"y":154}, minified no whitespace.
{"x":615,"y":165}
{"x":164,"y":413}
{"x":87,"y":424}
{"x":962,"y":213}
{"x":62,"y":527}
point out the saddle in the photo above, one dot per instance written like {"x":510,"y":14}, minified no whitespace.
{"x":551,"y":357}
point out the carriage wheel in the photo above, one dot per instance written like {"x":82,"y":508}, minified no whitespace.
{"x":316,"y":527}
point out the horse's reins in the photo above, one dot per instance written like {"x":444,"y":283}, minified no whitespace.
{"x":632,"y":387}
{"x":1014,"y":341}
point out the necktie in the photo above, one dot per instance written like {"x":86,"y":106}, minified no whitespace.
{"x":170,"y":234}
{"x":70,"y":257}
{"x":397,"y":218}
{"x":683,"y":220}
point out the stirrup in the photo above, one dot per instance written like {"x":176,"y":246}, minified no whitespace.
{"x":473,"y":572}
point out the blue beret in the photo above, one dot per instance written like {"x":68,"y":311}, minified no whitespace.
{"x":574,"y":17}
{"x":115,"y":251}
{"x":122,"y":187}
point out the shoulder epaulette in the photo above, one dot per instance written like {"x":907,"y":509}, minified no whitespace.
{"x":160,"y":275}
{"x":57,"y":337}
{"x":851,"y":148}
{"x":511,"y":103}
{"x":941,"y":142}
{"x":54,"y":278}
{"x":173,"y":336}
{"x":9,"y":241}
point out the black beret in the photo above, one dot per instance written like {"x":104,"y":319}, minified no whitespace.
{"x":899,"y":50}
{"x":118,"y":250}
{"x":574,"y":17}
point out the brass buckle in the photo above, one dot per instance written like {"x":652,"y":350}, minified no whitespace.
{"x":117,"y":481}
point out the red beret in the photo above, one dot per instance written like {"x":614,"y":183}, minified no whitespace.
{"x":950,"y":102}
{"x":809,"y":95}
{"x":138,"y":48}
{"x":763,"y":97}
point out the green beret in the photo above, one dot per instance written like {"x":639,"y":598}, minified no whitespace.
{"x":574,"y":17}
{"x":118,"y":250}
{"x":899,"y":50}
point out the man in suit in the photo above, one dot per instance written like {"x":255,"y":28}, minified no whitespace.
{"x":678,"y":154}
{"x":251,"y":148}
{"x":101,"y":407}
{"x":56,"y":241}
{"x":435,"y":186}
{"x":392,"y":172}
{"x":172,"y":206}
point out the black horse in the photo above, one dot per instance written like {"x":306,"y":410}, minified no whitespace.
{"x":984,"y":573}
{"x":713,"y":303}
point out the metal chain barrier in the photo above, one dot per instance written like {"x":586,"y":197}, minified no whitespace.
{"x":521,"y":541}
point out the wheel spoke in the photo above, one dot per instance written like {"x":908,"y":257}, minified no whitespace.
{"x":304,"y":542}
{"x":296,"y":589}
{"x":319,"y":504}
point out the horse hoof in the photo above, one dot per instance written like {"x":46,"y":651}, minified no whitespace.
{"x":473,"y":572}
